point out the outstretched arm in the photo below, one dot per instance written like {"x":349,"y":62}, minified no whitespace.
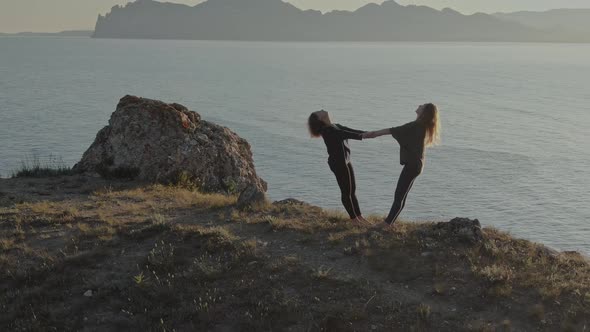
{"x":348,"y":133}
{"x":377,"y":133}
{"x":356,"y":131}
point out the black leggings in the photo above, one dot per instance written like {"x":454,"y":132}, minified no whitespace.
{"x":345,"y":177}
{"x":404,"y":184}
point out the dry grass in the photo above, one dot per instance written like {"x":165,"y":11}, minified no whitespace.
{"x":321,"y":273}
{"x":494,"y":274}
{"x":35,"y":168}
{"x":338,"y":237}
{"x":424,"y":311}
{"x":145,"y":250}
{"x":168,"y":197}
{"x":526,"y":264}
{"x":6,"y":244}
{"x":300,"y":218}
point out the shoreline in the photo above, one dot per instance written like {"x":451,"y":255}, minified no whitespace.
{"x":293,"y":42}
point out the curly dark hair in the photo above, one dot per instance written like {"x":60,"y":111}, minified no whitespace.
{"x":316,"y":125}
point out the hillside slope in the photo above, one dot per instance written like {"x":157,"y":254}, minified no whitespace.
{"x":83,"y":253}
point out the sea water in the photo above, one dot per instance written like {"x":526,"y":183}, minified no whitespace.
{"x":515,"y":117}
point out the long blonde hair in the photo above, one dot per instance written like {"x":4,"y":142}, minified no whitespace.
{"x":430,"y":119}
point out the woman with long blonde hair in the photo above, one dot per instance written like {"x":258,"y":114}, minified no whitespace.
{"x":413,"y":138}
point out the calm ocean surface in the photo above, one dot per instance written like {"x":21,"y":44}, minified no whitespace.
{"x":516,"y":117}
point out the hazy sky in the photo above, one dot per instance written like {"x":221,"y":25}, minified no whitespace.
{"x":57,"y":15}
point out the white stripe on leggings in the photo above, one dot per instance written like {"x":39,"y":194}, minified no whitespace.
{"x":403,"y":200}
{"x":349,"y":180}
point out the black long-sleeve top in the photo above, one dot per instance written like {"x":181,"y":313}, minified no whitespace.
{"x":336,"y":138}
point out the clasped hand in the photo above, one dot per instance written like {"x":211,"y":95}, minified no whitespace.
{"x":369,"y":134}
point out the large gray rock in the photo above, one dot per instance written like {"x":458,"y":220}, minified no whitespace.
{"x":158,"y":142}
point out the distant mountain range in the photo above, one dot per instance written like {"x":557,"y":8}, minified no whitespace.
{"x":69,"y":33}
{"x":573,"y":22}
{"x":275,"y":20}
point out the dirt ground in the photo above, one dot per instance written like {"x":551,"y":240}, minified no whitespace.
{"x":88,"y":254}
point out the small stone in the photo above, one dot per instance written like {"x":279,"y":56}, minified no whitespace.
{"x":426,"y":254}
{"x":543,"y":250}
{"x":88,"y":293}
{"x":461,"y":230}
{"x":291,"y":201}
{"x":252,"y":194}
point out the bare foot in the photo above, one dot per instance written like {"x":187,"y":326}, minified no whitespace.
{"x":365,"y":221}
{"x":358,"y":222}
